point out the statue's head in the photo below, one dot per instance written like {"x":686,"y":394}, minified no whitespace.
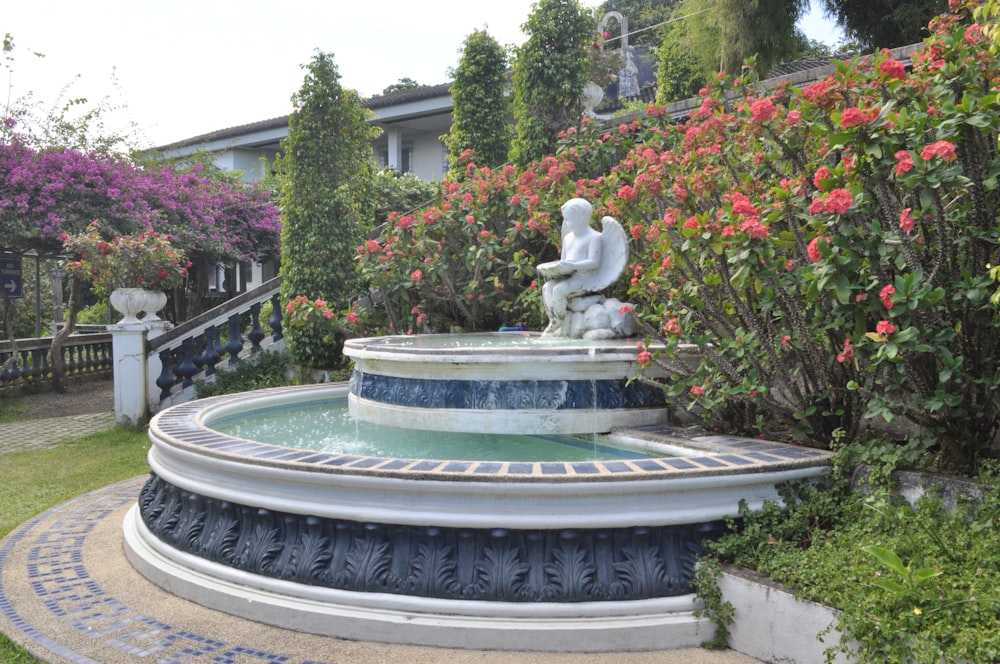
{"x":576,"y":210}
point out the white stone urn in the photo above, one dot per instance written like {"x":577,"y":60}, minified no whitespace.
{"x":130,"y":302}
{"x":155,"y":301}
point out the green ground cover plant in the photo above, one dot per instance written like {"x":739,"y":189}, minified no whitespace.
{"x":263,"y":370}
{"x":912,"y":583}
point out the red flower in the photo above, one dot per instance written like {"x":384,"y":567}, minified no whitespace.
{"x":742,"y":205}
{"x":943,"y":149}
{"x":822,"y":173}
{"x":672,"y":326}
{"x":697,"y":390}
{"x":785,"y":340}
{"x":353,"y":318}
{"x":906,"y":221}
{"x":847,"y":354}
{"x":793,"y":117}
{"x":886,"y":295}
{"x":645,"y":357}
{"x":754,"y":228}
{"x":838,"y":201}
{"x":904,"y":162}
{"x":416,"y":275}
{"x":892,"y":69}
{"x":852,"y":117}
{"x":762,"y":110}
{"x":812,"y":249}
{"x":816,"y":206}
{"x":885,"y":327}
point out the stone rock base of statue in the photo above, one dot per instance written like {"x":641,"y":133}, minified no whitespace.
{"x":597,"y":317}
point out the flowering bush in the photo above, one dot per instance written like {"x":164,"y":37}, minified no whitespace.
{"x":322,"y":328}
{"x":147,"y":260}
{"x":827,"y":247}
{"x":468,"y":261}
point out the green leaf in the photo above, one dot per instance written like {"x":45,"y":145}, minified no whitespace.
{"x":889,"y":585}
{"x":887,"y":557}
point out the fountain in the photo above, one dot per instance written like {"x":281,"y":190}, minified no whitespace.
{"x":591,"y":554}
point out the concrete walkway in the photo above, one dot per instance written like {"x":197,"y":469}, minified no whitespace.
{"x":42,"y":434}
{"x":68,"y":595}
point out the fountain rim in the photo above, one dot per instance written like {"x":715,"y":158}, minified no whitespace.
{"x":479,"y":349}
{"x":185,"y":429}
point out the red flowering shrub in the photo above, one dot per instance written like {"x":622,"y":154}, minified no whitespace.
{"x":832,"y":267}
{"x":825,"y":248}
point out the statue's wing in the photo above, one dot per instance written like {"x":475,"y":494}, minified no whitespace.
{"x":614,"y":253}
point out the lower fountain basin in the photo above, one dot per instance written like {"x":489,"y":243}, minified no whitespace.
{"x":556,"y":555}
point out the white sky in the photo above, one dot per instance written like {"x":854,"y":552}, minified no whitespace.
{"x":187,"y":67}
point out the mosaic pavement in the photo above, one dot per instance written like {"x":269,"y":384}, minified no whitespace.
{"x":69,"y":596}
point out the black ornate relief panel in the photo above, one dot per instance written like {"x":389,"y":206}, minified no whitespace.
{"x":501,"y":565}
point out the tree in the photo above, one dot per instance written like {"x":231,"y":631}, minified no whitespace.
{"x":721,"y":35}
{"x":761,"y":28}
{"x":327,"y":164}
{"x":876,"y":24}
{"x":480,"y":119}
{"x":401,"y":85}
{"x":550,"y":70}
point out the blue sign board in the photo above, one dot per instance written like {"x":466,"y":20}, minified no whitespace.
{"x":10,"y":277}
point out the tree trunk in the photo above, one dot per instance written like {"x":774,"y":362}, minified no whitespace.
{"x":55,"y":350}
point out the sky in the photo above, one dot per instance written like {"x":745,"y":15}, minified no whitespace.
{"x":181,"y":68}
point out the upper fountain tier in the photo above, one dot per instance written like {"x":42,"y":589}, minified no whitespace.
{"x":504,"y":382}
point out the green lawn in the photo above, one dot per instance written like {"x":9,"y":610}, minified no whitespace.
{"x":31,"y":482}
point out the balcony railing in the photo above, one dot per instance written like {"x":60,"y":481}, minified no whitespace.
{"x":28,"y":362}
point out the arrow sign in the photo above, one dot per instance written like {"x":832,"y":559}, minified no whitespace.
{"x":10,"y":277}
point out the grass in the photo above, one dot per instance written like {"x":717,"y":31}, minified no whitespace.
{"x":31,"y":482}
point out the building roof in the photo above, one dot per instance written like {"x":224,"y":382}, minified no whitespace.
{"x":396,"y":98}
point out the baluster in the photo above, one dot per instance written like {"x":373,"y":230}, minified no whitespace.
{"x":14,"y":373}
{"x":235,"y":343}
{"x":84,"y":358}
{"x":186,"y":368}
{"x":256,"y":333}
{"x":6,"y":376}
{"x":165,"y":381}
{"x":70,"y":359}
{"x":275,"y":319}
{"x":28,"y":368}
{"x":210,"y":356}
{"x":219,"y":347}
{"x":106,"y":356}
{"x":42,"y":357}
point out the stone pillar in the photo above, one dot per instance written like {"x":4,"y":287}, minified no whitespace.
{"x":131,"y":371}
{"x":395,"y":140}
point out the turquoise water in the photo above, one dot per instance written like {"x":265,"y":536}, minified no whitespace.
{"x":326,"y":426}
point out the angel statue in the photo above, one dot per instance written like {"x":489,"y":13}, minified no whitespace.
{"x":590,"y":262}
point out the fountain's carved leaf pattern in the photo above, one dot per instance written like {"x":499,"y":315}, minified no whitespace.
{"x":367,"y":564}
{"x":642,"y":571}
{"x":505,"y":394}
{"x":263,"y":545}
{"x":501,"y":574}
{"x":433,"y":568}
{"x":503,"y":565}
{"x":311,"y":554}
{"x":570,"y":573}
